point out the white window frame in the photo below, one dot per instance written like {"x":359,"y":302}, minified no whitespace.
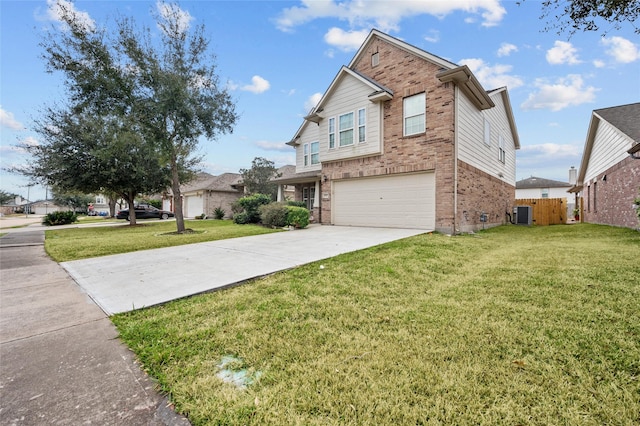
{"x":544,"y":193}
{"x":345,"y":130}
{"x":305,"y":154}
{"x":362,"y":125}
{"x":332,"y":133}
{"x":502,"y":154}
{"x":487,"y":132}
{"x":314,"y":153}
{"x":420,"y":112}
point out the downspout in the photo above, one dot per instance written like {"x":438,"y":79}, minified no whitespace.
{"x":455,"y":159}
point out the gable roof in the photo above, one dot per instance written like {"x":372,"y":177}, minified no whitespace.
{"x":622,"y":117}
{"x":443,"y":63}
{"x":538,"y":182}
{"x":625,"y":118}
{"x":379,"y":93}
{"x":225,"y":182}
{"x":502,"y":91}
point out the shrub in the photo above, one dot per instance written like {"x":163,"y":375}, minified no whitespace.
{"x":297,"y":204}
{"x":240,"y":218}
{"x":298,"y":217}
{"x":274,"y":215}
{"x":219,"y":213}
{"x":251,"y":204}
{"x":60,"y":218}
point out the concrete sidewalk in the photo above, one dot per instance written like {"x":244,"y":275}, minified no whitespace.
{"x":124,"y":282}
{"x":60,"y":358}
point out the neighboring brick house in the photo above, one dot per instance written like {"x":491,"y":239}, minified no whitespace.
{"x":206,"y":192}
{"x":404,"y":138}
{"x":609,"y":175}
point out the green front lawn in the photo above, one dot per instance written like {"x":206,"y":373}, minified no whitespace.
{"x":513,"y":326}
{"x":81,"y":243}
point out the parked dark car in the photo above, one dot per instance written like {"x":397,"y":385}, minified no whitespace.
{"x":145,"y":212}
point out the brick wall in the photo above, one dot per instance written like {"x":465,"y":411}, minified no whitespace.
{"x":433,"y":150}
{"x":614,"y":195}
{"x":216,"y":199}
{"x":479,"y":192}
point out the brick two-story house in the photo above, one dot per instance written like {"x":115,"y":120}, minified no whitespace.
{"x":609,"y":176}
{"x":404,"y":138}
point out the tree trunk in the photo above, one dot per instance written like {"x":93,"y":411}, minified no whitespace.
{"x":112,"y":206}
{"x":177,"y":196}
{"x":131,"y":198}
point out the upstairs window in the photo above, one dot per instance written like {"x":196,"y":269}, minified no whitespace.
{"x":306,"y":154}
{"x":362,"y":129}
{"x":502,"y":155}
{"x":315,"y":153}
{"x":414,"y":114}
{"x":346,"y":129}
{"x":332,"y":133}
{"x":487,"y":132}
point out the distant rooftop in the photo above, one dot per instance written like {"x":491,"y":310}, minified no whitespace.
{"x":538,"y":182}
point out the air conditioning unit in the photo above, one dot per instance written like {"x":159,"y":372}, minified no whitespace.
{"x":523,"y":215}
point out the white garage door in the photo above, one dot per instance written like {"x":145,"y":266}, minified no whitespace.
{"x":195,"y":206}
{"x":400,"y":201}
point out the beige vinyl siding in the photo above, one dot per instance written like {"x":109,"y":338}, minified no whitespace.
{"x":308,"y":135}
{"x":609,"y":148}
{"x":393,"y":201}
{"x":472,"y":148}
{"x":350,"y":95}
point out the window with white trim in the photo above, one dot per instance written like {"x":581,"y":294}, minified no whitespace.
{"x":362,"y":125}
{"x":487,"y":132}
{"x":545,"y":193}
{"x":502,"y":155}
{"x":414,"y":114}
{"x":345,"y":123}
{"x":332,"y":132}
{"x":306,"y":154}
{"x":315,"y":153}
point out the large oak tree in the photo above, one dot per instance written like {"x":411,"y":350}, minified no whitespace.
{"x":153,"y":98}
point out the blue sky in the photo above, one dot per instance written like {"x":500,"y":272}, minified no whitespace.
{"x":277,"y":57}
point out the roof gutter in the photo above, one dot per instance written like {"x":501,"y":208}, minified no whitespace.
{"x":464,"y":78}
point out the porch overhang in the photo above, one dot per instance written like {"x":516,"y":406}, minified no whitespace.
{"x":299,"y":178}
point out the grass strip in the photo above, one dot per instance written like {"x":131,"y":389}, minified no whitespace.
{"x":513,"y":325}
{"x":81,"y":243}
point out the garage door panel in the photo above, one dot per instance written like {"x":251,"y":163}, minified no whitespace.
{"x":401,"y":201}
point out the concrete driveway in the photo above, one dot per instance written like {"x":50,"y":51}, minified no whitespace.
{"x":125,"y":282}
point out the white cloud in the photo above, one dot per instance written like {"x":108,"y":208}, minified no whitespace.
{"x":312,"y":101}
{"x":547,"y":150}
{"x":385,"y":15}
{"x":565,"y":92}
{"x":621,"y":49}
{"x":58,"y":8}
{"x":258,"y":85}
{"x":345,"y":40}
{"x":433,"y":36}
{"x":598,"y":63}
{"x":563,"y":53}
{"x":7,"y":120}
{"x":506,"y":49}
{"x":492,"y":77}
{"x":169,"y":11}
{"x":273,"y":146}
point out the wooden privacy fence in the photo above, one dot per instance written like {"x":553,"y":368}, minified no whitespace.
{"x":546,"y":211}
